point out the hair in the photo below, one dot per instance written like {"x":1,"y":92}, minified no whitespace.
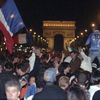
{"x":63,"y":66}
{"x":9,"y":66}
{"x":63,"y":80}
{"x":32,"y":77}
{"x":50,"y":73}
{"x":23,"y":66}
{"x":11,"y":83}
{"x":84,"y":78}
{"x":76,"y":93}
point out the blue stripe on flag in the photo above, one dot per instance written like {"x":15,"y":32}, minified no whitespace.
{"x":12,"y":16}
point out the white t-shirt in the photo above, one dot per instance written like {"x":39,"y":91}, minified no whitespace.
{"x":86,"y":62}
{"x":32,"y":61}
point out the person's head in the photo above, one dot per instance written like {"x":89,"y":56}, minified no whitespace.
{"x":84,"y":79}
{"x":64,"y":68}
{"x":8,"y":66}
{"x":23,"y":68}
{"x":64,"y":82}
{"x":73,"y":54}
{"x":38,"y":51}
{"x":33,"y":49}
{"x":15,"y":60}
{"x":76,"y":93}
{"x":44,"y":58}
{"x":32,"y":80}
{"x":50,"y":75}
{"x":12,"y":89}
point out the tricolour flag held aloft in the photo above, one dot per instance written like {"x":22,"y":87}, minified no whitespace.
{"x":10,"y":22}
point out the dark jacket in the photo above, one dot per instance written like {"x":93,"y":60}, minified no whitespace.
{"x":36,"y":69}
{"x":51,"y":92}
{"x":75,"y":65}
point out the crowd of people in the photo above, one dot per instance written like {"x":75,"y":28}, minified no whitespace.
{"x":43,"y":74}
{"x":48,"y":75}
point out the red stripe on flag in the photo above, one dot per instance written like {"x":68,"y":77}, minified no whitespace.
{"x":15,"y":39}
{"x":9,"y":40}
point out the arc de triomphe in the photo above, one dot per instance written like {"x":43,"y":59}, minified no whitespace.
{"x":54,"y":29}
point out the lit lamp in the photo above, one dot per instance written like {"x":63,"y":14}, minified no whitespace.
{"x":30,"y":30}
{"x":34,"y":36}
{"x":4,"y":43}
{"x":86,"y":30}
{"x":74,"y":38}
{"x":41,"y":38}
{"x":93,"y":25}
{"x":82,"y":34}
{"x":38,"y":36}
{"x":34,"y":33}
{"x":15,"y":44}
{"x":1,"y":49}
{"x":38,"y":39}
{"x":77,"y":37}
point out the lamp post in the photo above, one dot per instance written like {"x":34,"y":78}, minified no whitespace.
{"x":34,"y":36}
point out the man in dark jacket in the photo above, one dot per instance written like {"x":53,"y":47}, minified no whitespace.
{"x":50,"y":91}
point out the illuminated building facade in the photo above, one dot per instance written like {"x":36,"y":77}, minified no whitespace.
{"x":59,"y":34}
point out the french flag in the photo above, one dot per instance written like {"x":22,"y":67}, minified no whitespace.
{"x":10,"y":22}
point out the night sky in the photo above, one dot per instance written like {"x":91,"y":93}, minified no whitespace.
{"x":84,"y":12}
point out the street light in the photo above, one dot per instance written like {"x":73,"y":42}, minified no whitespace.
{"x":77,"y":37}
{"x":74,"y":38}
{"x":82,"y":34}
{"x":38,"y":36}
{"x":41,"y":38}
{"x":34,"y":33}
{"x":93,"y":25}
{"x":86,"y":30}
{"x":30,"y":30}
